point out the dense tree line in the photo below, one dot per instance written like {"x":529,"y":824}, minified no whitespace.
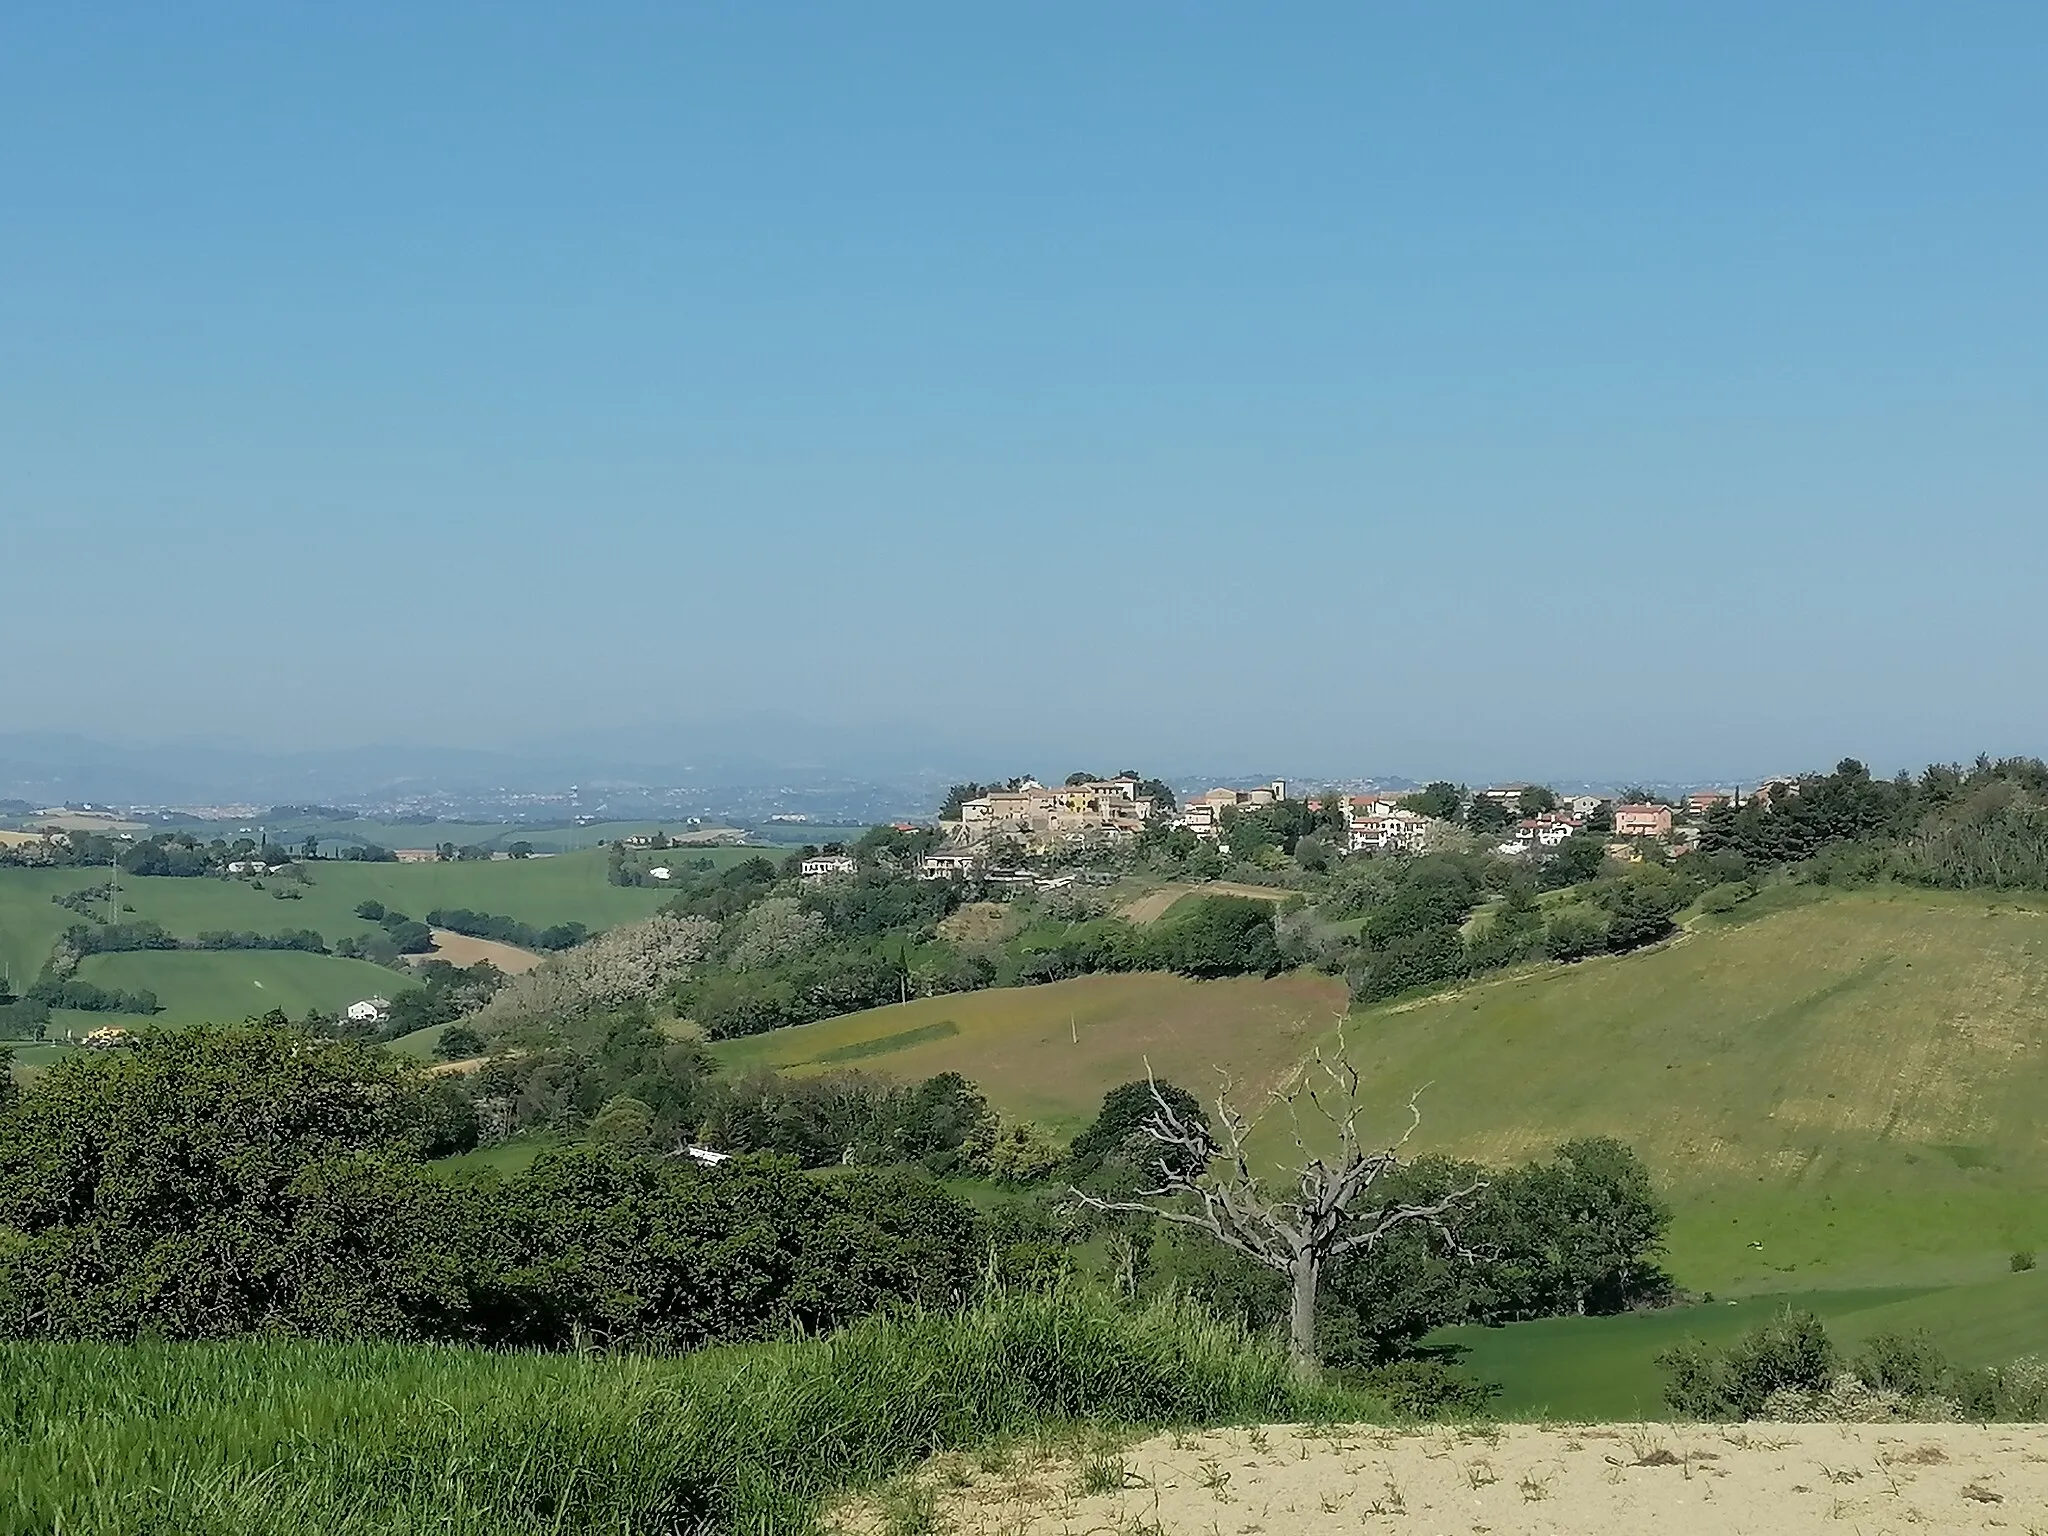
{"x":508,"y":930}
{"x":1419,"y":932}
{"x":1980,"y":827}
{"x":221,"y":1183}
{"x":848,"y":945}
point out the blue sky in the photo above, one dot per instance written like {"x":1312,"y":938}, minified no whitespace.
{"x":1539,"y":389}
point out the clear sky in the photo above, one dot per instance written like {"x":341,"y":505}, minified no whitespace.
{"x":1550,"y":389}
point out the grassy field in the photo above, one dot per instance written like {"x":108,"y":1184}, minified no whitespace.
{"x":1605,"y":1367}
{"x":30,"y":921}
{"x":1845,"y":1093}
{"x":557,"y":837}
{"x":1051,"y":1052}
{"x":227,"y":986}
{"x":571,"y":888}
{"x":291,"y":1439}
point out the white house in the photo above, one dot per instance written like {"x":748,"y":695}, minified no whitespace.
{"x":949,"y":864}
{"x":659,"y":872}
{"x":371,"y":1010}
{"x":826,"y":865}
{"x":1406,"y":831}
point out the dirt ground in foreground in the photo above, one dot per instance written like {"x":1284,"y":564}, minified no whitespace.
{"x":1515,"y":1480}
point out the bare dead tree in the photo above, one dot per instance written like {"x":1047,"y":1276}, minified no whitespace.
{"x":1207,"y":1182}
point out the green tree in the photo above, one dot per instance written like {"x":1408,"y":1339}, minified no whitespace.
{"x":1221,"y":936}
{"x":1442,"y":799}
{"x":112,"y":1167}
{"x":1117,"y":1134}
{"x":625,"y":1122}
{"x":458,"y":1042}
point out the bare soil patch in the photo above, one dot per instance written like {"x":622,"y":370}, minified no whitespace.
{"x":461,"y":949}
{"x":1513,"y":1480}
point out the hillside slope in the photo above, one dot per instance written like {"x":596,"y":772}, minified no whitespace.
{"x":1051,"y":1052}
{"x":1848,"y":1091}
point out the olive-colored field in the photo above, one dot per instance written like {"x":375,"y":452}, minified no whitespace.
{"x":1051,"y":1052}
{"x":1847,"y":1092}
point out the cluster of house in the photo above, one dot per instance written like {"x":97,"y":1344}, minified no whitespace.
{"x":1036,"y":818}
{"x":1041,"y":818}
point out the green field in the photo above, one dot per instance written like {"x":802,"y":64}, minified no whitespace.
{"x":546,"y":837}
{"x":1845,"y":1093}
{"x":1605,"y":1367}
{"x":1841,"y":1095}
{"x":1051,"y":1052}
{"x":227,"y":986}
{"x":30,"y":921}
{"x":571,"y":888}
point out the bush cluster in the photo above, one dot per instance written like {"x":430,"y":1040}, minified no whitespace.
{"x":1789,"y":1369}
{"x":219,"y":1183}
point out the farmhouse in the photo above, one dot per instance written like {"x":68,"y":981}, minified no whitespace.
{"x":1642,"y":821}
{"x":949,"y":864}
{"x":370,"y":1010}
{"x":417,"y":855}
{"x":827,"y":865}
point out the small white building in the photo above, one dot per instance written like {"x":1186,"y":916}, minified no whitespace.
{"x":659,"y":872}
{"x":827,"y":865}
{"x":371,"y":1010}
{"x":949,"y":864}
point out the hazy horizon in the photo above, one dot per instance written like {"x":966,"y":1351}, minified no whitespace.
{"x":1598,"y":391}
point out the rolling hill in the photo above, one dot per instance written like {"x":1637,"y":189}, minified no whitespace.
{"x":1841,"y":1094}
{"x":1846,"y":1090}
{"x":1051,"y":1052}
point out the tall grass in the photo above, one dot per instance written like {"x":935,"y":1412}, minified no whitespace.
{"x":291,"y":1439}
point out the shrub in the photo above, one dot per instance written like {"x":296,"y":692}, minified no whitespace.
{"x":2014,"y":1393}
{"x":1425,"y":1389}
{"x":2022,"y":1260}
{"x":1790,"y":1352}
{"x":1727,"y":897}
{"x":1906,"y":1363}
